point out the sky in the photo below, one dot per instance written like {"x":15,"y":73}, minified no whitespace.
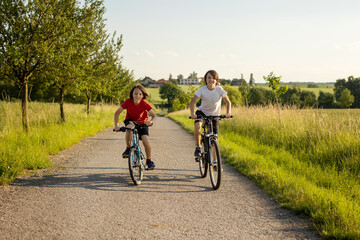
{"x":300,"y":40}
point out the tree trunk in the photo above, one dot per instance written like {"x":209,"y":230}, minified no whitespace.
{"x":88,"y":95}
{"x":24,"y":106}
{"x":62,"y":115}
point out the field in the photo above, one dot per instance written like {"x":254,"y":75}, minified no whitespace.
{"x":47,"y":136}
{"x":308,"y":160}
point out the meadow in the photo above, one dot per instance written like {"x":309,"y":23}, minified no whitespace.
{"x":48,"y":135}
{"x":307,"y":159}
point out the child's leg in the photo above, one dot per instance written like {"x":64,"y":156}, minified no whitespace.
{"x":145,"y":140}
{"x":197,"y":133}
{"x":128,"y":138}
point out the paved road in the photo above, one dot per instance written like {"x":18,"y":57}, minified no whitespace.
{"x":90,"y":195}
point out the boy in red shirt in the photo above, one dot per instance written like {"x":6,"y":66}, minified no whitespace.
{"x":137,"y":110}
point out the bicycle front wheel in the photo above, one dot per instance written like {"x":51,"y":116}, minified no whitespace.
{"x":215,"y":164}
{"x":135,"y":167}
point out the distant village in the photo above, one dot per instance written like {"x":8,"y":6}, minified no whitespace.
{"x":148,"y":82}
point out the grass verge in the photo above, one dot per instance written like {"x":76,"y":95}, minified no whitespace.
{"x":48,"y":135}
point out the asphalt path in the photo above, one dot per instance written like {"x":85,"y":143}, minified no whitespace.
{"x":88,"y":194}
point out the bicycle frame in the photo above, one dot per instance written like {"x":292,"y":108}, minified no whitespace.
{"x":135,"y":145}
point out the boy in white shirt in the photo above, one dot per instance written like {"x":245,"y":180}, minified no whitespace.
{"x":211,"y":96}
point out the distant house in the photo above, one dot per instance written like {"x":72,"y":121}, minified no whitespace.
{"x":147,"y":81}
{"x":158,"y":83}
{"x":190,"y":81}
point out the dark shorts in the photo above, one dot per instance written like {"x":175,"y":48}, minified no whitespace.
{"x":215,"y":121}
{"x":142,"y":129}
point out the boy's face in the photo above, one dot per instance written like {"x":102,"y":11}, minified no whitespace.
{"x":137,"y":95}
{"x":210,"y":81}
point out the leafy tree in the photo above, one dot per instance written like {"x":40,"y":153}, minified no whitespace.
{"x":352,"y":84}
{"x":251,"y":80}
{"x":224,"y":81}
{"x":170,"y":92}
{"x":29,"y":33}
{"x":326,"y":100}
{"x":234,"y":96}
{"x":257,"y":96}
{"x":180,"y":77}
{"x":346,"y":99}
{"x":236,"y":82}
{"x":313,"y":85}
{"x":308,"y":98}
{"x":273,"y":83}
{"x":193,"y":75}
{"x":291,"y":96}
{"x":245,"y":91}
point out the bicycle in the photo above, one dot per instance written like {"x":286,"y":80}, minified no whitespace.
{"x":210,"y":157}
{"x":136,"y":158}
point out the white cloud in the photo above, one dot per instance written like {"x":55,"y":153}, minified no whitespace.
{"x":174,"y":54}
{"x":150,"y":54}
{"x":137,"y":54}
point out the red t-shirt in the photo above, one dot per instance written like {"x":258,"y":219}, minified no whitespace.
{"x":138,"y":113}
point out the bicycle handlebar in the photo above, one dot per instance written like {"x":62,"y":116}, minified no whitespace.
{"x":210,"y":117}
{"x":123,"y":129}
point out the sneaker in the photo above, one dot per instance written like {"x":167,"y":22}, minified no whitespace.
{"x":150,"y":164}
{"x":126,"y":153}
{"x":197,"y":152}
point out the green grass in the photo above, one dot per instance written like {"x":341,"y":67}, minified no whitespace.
{"x":47,"y":135}
{"x":282,"y":157}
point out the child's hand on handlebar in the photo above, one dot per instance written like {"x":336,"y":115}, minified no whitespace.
{"x":228,"y":115}
{"x":193,"y":116}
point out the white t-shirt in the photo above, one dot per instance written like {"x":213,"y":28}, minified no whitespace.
{"x":210,"y":100}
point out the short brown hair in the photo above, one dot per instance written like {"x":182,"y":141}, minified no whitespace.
{"x":214,"y":74}
{"x":142,"y":89}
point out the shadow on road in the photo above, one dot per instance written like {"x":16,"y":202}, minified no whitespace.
{"x":160,"y":180}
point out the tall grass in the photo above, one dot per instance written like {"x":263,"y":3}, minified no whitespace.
{"x":48,"y":135}
{"x":308,"y":160}
{"x":329,"y":138}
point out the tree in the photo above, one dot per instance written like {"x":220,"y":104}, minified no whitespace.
{"x":273,"y":83}
{"x":29,"y":33}
{"x":234,"y":96}
{"x":346,"y":99}
{"x":245,"y":91}
{"x":170,"y":92}
{"x":193,"y":75}
{"x":72,"y":51}
{"x":326,"y":100}
{"x":307,"y":98}
{"x":180,"y":77}
{"x":251,"y":80}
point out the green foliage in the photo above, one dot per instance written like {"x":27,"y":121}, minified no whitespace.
{"x":352,"y":84}
{"x":326,"y":100}
{"x":274,"y":84}
{"x":170,"y":92}
{"x":48,"y":135}
{"x":346,"y":99}
{"x":234,"y":96}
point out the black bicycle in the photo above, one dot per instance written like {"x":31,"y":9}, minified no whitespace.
{"x":210,"y":157}
{"x":136,"y":159}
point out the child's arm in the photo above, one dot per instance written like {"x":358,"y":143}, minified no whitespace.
{"x":228,"y":106}
{"x":116,"y":118}
{"x":192,"y":107}
{"x":153,"y":118}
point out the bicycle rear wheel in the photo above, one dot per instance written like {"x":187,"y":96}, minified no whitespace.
{"x":135,"y":167}
{"x":203,"y":165}
{"x":215,"y":164}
